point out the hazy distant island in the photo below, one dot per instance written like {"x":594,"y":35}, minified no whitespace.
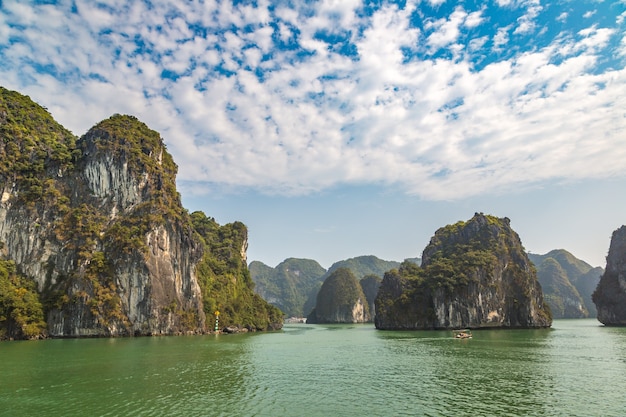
{"x":567,"y":283}
{"x":94,"y":240}
{"x":293,"y":284}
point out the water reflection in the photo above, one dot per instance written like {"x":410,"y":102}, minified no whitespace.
{"x":578,"y":368}
{"x":124,"y":376}
{"x":497,"y":372}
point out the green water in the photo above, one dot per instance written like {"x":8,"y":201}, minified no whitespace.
{"x":577,"y":368}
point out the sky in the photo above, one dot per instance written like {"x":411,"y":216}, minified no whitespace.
{"x":341,"y":128}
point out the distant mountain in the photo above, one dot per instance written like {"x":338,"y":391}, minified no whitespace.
{"x":289,"y":285}
{"x":361,"y":266}
{"x":567,"y":281}
{"x":293,"y":284}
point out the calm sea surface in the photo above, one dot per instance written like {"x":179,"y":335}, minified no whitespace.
{"x":577,"y":368}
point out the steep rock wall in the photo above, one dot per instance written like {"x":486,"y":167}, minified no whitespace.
{"x":107,"y":241}
{"x":610,"y":294}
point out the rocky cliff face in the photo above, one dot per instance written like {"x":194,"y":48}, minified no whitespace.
{"x":474,"y":274}
{"x":107,"y":242}
{"x":610,"y":295}
{"x":98,"y":225}
{"x":340,"y":300}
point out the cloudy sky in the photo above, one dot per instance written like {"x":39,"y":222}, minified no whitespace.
{"x":341,"y":128}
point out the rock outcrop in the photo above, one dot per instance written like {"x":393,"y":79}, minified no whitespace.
{"x":474,"y":274}
{"x":98,"y":225}
{"x":370,"y":285}
{"x":610,"y":295}
{"x":340,"y":300}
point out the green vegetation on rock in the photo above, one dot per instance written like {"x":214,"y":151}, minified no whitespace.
{"x":111,"y":250}
{"x":32,"y":145}
{"x":21,"y":313}
{"x":225,"y":279}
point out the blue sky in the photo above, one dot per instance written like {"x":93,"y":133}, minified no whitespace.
{"x":335,"y":129}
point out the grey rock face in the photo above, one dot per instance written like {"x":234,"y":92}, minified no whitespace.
{"x":98,"y":286}
{"x":610,"y":294}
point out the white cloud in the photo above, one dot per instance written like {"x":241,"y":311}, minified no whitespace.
{"x":446,"y":31}
{"x":474,"y":19}
{"x":589,"y":14}
{"x":526,"y":23}
{"x":501,"y":37}
{"x":436,"y":127}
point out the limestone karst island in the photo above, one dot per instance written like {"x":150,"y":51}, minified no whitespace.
{"x":94,"y":242}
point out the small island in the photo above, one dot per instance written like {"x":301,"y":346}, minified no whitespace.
{"x":474,"y":274}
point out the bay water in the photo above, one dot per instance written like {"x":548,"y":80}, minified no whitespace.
{"x":576,"y":368}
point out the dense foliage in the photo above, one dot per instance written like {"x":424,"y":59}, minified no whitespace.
{"x":31,"y":144}
{"x":21,"y":313}
{"x":225,"y":280}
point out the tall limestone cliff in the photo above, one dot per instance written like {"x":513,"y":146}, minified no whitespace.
{"x":610,"y":295}
{"x":474,"y":274}
{"x":340,"y":300}
{"x":97,"y":224}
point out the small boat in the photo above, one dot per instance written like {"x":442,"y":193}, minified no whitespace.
{"x":463,"y":334}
